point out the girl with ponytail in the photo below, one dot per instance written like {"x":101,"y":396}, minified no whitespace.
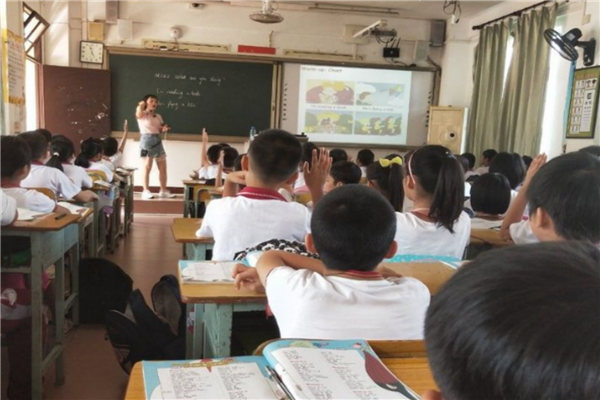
{"x":62,"y":153}
{"x":385,"y":176}
{"x":90,"y":157}
{"x":437,"y":226}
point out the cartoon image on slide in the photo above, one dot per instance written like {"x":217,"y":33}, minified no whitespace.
{"x":319,"y":121}
{"x":378,"y":124}
{"x":330,"y":92}
{"x":379,"y":94}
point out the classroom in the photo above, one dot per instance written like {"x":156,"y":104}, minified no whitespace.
{"x":300,"y":199}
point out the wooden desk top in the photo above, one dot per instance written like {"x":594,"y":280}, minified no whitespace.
{"x":410,"y":367}
{"x":87,"y":213}
{"x":433,"y":275}
{"x":488,"y":236}
{"x":184,"y":231}
{"x":47,"y":223}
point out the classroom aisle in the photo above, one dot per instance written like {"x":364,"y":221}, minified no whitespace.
{"x":92,"y":369}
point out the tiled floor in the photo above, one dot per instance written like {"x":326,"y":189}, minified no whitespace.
{"x":92,"y":371}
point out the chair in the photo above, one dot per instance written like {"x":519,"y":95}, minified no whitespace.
{"x":46,"y":191}
{"x":303,"y":198}
{"x":202,"y":197}
{"x":97,"y":175}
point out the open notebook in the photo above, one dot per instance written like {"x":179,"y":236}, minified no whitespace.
{"x":206,"y":271}
{"x":294,"y":369}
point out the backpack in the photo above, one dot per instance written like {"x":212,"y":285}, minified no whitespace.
{"x":144,"y":333}
{"x":103,"y":286}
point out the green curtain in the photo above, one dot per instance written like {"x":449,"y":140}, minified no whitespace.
{"x":484,"y":116}
{"x":525,"y":90}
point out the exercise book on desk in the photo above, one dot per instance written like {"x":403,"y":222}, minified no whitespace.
{"x":206,"y":271}
{"x":293,"y":369}
{"x":74,"y":208}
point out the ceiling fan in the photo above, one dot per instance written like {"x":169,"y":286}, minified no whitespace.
{"x":267,"y":15}
{"x":566,"y":45}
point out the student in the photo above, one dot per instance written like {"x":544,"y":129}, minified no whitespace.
{"x":469,"y":171}
{"x":91,"y":156}
{"x":510,"y":165}
{"x":258,"y":212}
{"x":9,"y":213}
{"x":16,"y":165}
{"x":593,"y":150}
{"x":486,"y":160}
{"x":113,"y":150}
{"x":437,"y":225}
{"x":563,"y":197}
{"x":307,"y":152}
{"x":342,"y":173}
{"x":490,"y":198}
{"x":364,"y":158}
{"x":42,"y":176}
{"x":345,"y":295}
{"x":464,"y":163}
{"x":338,"y":155}
{"x":385,"y":176}
{"x":518,"y":323}
{"x":226,"y":164}
{"x":210,"y":158}
{"x":527,"y":161}
{"x":63,"y":154}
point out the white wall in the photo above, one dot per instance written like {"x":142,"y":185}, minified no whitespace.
{"x":215,"y":24}
{"x":457,"y":67}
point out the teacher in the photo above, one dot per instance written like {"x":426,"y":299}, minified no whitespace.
{"x":151,"y":125}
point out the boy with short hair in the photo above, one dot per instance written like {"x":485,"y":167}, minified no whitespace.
{"x":518,"y":323}
{"x":564,"y":201}
{"x":342,"y":173}
{"x":47,"y":177}
{"x":16,"y":164}
{"x":346,"y":295}
{"x":258,"y":212}
{"x":364,"y":158}
{"x":486,"y":160}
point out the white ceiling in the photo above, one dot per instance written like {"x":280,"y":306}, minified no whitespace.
{"x":424,"y":9}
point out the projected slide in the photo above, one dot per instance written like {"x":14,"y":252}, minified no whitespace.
{"x":349,"y":104}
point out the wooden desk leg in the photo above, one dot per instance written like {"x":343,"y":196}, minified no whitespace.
{"x":195,"y":341}
{"x":75,"y":283}
{"x":36,"y":315}
{"x":186,"y":194}
{"x":93,"y":247}
{"x":218,"y":320}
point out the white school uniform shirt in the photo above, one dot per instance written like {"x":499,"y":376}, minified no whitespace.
{"x":78,"y":175}
{"x":99,"y":166}
{"x":300,"y":182}
{"x":9,"y":208}
{"x":237,"y":223}
{"x":31,"y":199}
{"x":52,"y":178}
{"x":311,"y":306}
{"x":469,"y":174}
{"x":418,"y":237}
{"x":116,"y":159}
{"x":363,"y":172}
{"x":107,"y":164}
{"x":482,"y":223}
{"x":521,"y":233}
{"x":482,"y":170}
{"x":209,"y":172}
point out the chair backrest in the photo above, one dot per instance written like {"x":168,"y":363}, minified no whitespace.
{"x":97,"y":175}
{"x":46,"y":191}
{"x":303,"y":198}
{"x":363,"y":180}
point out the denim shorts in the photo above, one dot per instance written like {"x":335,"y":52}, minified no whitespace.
{"x":151,"y":146}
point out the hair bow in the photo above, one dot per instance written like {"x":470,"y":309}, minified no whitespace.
{"x":56,"y":154}
{"x":384,"y":162}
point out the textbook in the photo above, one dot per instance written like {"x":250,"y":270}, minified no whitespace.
{"x":74,"y":208}
{"x":289,"y":369}
{"x":207,"y":271}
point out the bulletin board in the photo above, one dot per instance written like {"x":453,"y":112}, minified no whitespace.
{"x":583,"y":108}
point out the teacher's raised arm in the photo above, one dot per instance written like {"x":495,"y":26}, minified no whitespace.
{"x":151,"y":125}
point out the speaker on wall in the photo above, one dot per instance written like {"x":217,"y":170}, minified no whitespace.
{"x":112,"y":11}
{"x":447,"y":127}
{"x":437,"y":35}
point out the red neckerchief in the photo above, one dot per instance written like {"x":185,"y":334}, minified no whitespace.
{"x":5,"y":183}
{"x":260,"y":194}
{"x":361,"y":275}
{"x":36,"y":162}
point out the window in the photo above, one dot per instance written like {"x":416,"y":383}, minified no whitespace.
{"x":34,"y":27}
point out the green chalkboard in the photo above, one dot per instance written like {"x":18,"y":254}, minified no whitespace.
{"x":225,"y":97}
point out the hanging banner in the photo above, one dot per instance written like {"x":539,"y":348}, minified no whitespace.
{"x":583,"y":108}
{"x":13,"y":68}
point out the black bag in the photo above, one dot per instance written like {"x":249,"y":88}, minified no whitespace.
{"x":141,"y":333}
{"x":103,"y":286}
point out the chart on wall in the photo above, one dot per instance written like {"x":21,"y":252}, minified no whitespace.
{"x":584,"y":103}
{"x":334,"y":104}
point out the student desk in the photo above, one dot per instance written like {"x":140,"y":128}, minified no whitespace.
{"x":50,"y":239}
{"x":188,"y":193}
{"x":184,"y":232}
{"x":216,"y":303}
{"x":488,"y":237}
{"x":127,"y":191}
{"x":407,"y":360}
